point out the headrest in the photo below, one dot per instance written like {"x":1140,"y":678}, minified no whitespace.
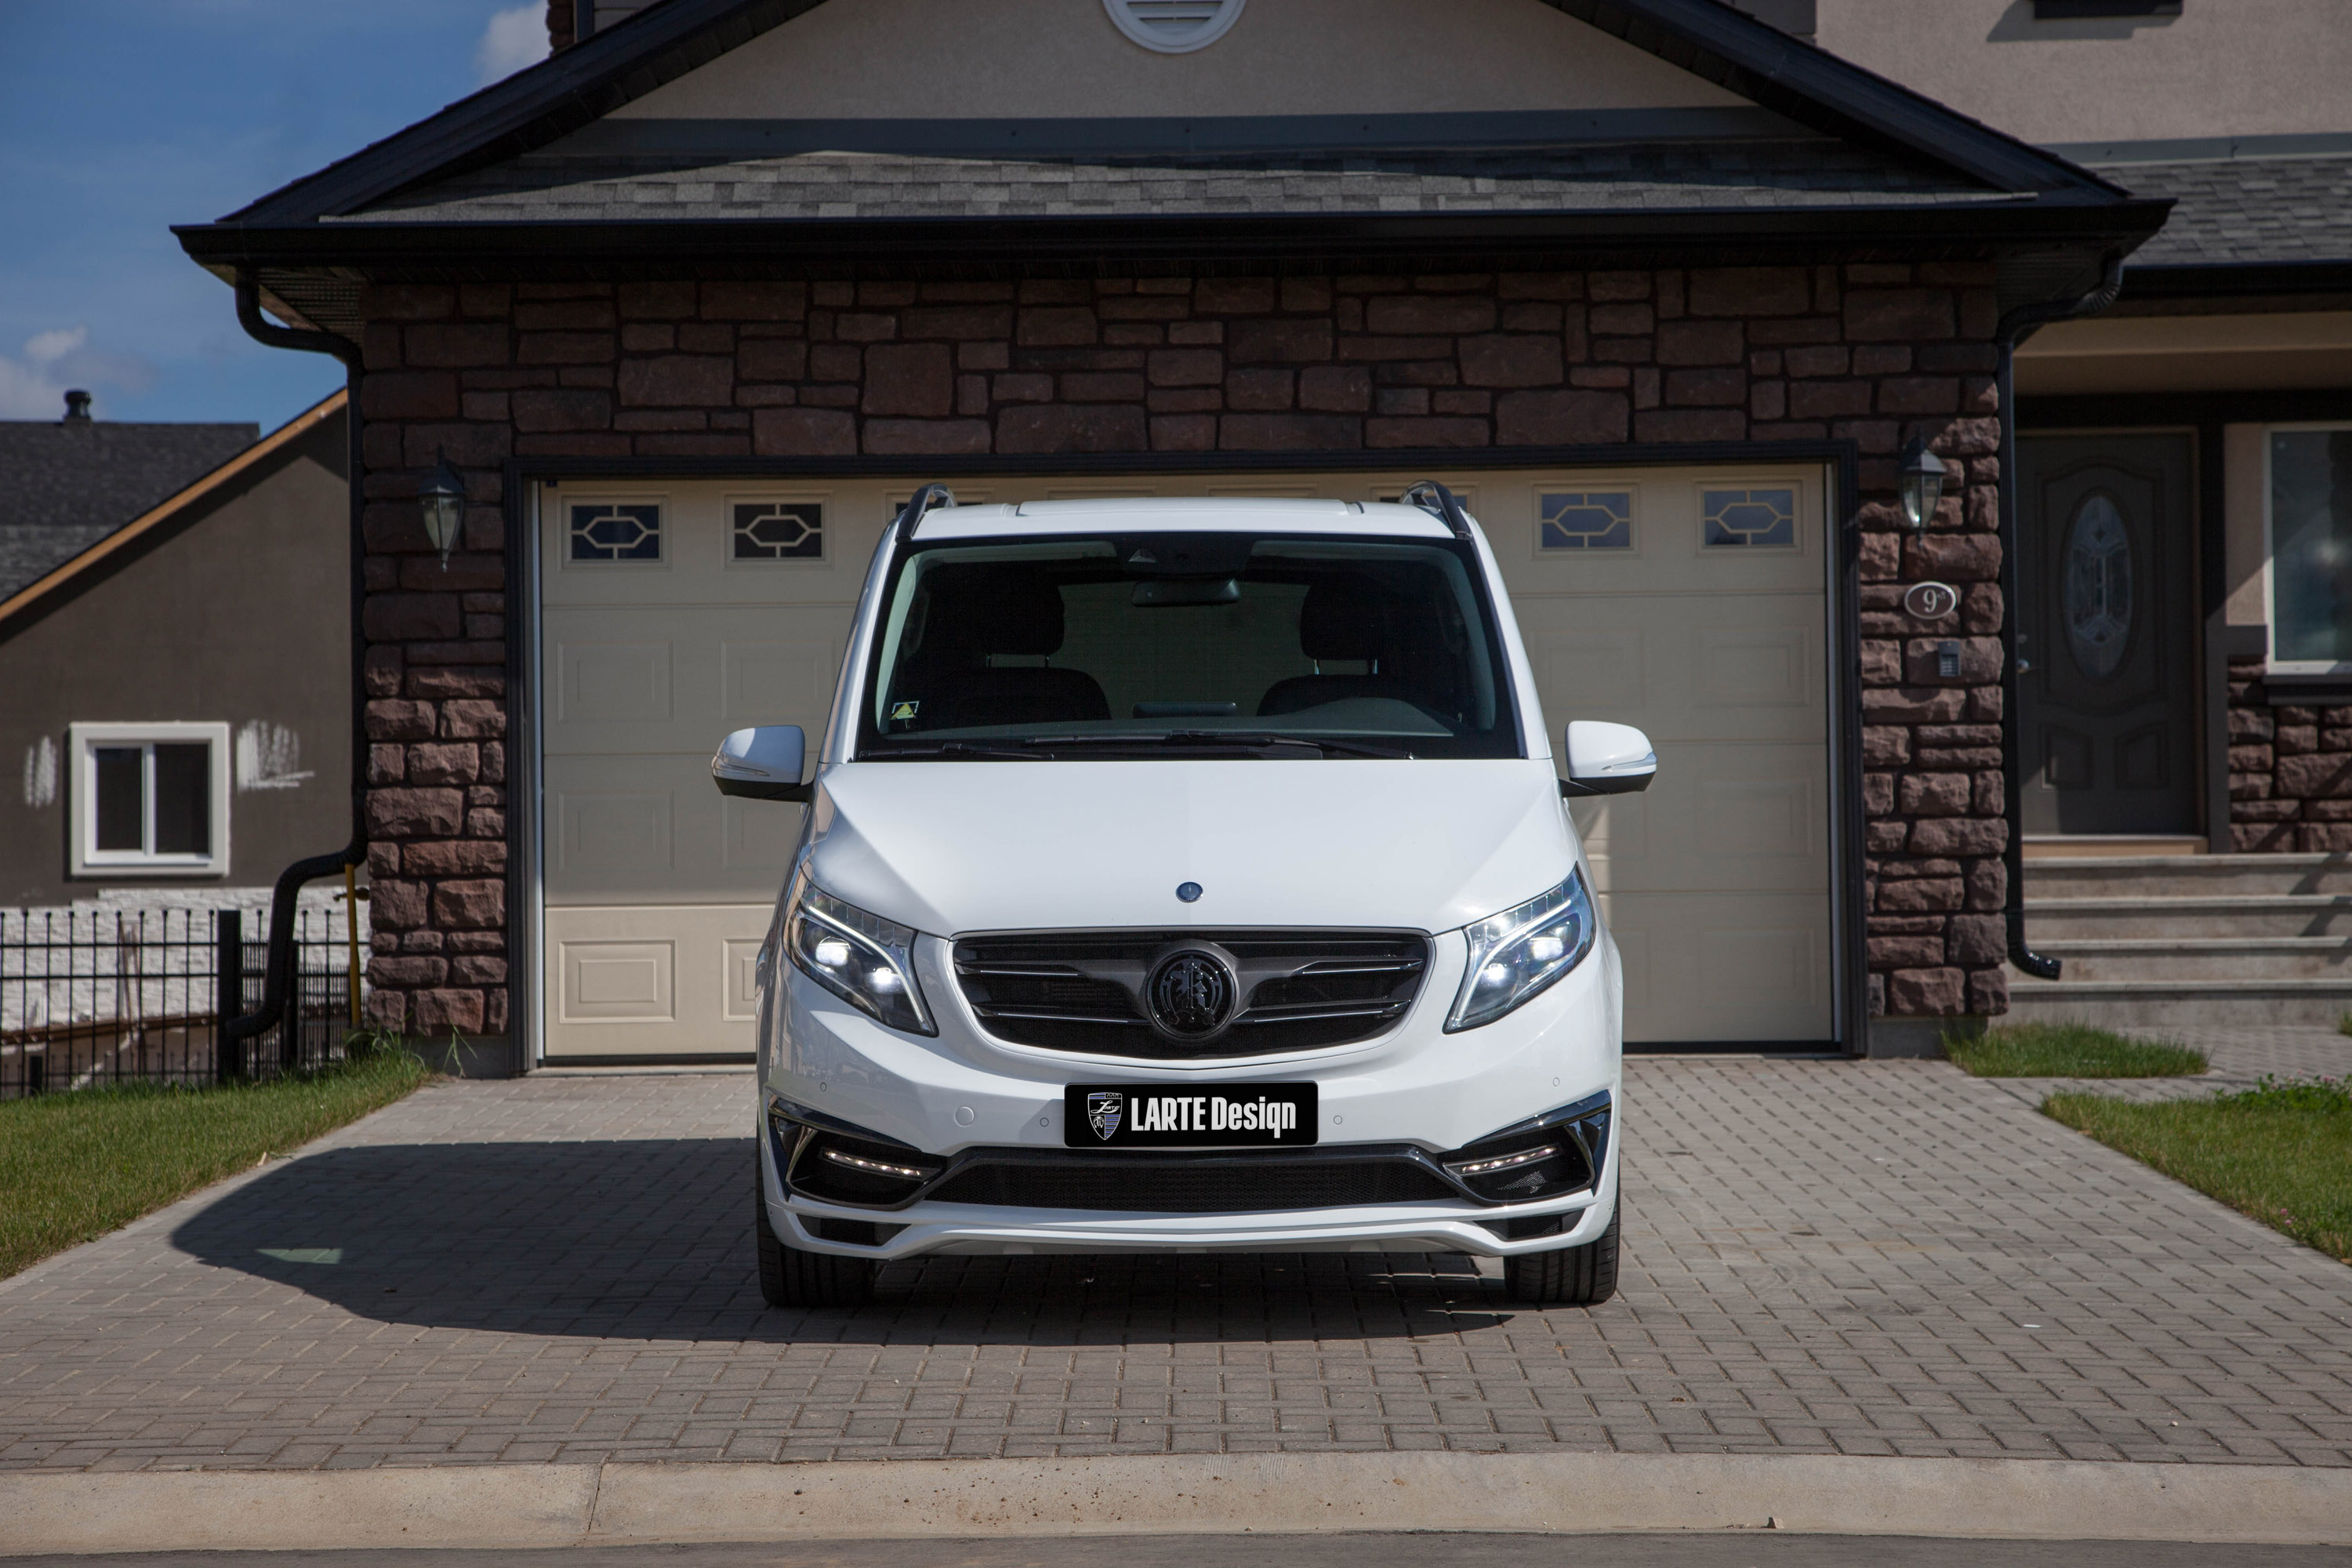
{"x":976,"y":611}
{"x":1340,"y":620}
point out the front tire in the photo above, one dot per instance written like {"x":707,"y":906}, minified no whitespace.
{"x":1582,"y":1276}
{"x":796,"y":1277}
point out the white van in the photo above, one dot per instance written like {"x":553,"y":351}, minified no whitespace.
{"x":1187,"y":876}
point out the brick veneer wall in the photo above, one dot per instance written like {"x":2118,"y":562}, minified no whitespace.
{"x":2290,"y":769}
{"x":1868,"y":353}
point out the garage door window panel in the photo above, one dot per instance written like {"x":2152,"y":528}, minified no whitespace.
{"x":1763,"y":518}
{"x":615,"y":533}
{"x":1585,"y":519}
{"x":777,"y":533}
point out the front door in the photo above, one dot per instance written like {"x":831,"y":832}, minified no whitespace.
{"x":2107,"y":649}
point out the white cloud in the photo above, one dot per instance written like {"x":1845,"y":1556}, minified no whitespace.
{"x":33,"y":385}
{"x":515,"y":39}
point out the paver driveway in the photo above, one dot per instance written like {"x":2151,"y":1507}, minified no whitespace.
{"x":1822,"y":1256}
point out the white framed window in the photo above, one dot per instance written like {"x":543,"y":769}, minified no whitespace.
{"x":2307,"y":547}
{"x":149,"y":800}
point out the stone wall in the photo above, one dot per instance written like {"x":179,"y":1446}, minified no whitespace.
{"x":2290,"y":769}
{"x":1868,"y":353}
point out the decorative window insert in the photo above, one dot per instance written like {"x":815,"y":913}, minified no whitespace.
{"x":149,"y":799}
{"x":612,"y":531}
{"x":1584,"y":519}
{"x":1748,"y":519}
{"x":775,"y":531}
{"x":1174,"y":27}
{"x":2310,"y":548}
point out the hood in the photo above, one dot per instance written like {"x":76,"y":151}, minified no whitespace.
{"x":950,"y":848}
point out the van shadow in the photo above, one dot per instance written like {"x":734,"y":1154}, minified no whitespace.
{"x":651,"y":1240}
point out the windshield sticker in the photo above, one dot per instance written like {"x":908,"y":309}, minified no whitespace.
{"x":904,"y":709}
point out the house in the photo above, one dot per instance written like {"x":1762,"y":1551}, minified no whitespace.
{"x":2185,"y":487}
{"x":1665,"y":292}
{"x":174,"y":628}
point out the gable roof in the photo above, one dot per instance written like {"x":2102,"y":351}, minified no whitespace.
{"x":530,"y":175}
{"x":19,"y":592}
{"x":66,"y":484}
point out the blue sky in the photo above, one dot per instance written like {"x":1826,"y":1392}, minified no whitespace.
{"x":119,"y":118}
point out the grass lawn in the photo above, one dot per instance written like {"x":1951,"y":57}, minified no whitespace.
{"x":78,"y":1164}
{"x":2069,"y":1050}
{"x":2280,"y":1153}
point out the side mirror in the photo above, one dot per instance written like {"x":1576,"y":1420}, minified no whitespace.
{"x":762,"y":764}
{"x":1608,"y":759}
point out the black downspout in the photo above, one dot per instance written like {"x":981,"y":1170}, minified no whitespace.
{"x":2015,"y":327}
{"x":291,"y":881}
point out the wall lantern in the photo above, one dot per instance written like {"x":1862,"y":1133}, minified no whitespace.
{"x":1922,"y":476}
{"x":442,"y":499}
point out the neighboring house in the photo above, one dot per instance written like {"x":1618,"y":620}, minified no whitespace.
{"x":697,"y":301}
{"x":174,"y":648}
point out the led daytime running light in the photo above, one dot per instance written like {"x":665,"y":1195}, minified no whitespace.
{"x":873,"y":1168}
{"x":1505,"y":1161}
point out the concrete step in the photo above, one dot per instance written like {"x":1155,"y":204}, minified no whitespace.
{"x":2159,"y":1005}
{"x":2187,"y":876}
{"x":2290,"y":915}
{"x":2202,"y":958}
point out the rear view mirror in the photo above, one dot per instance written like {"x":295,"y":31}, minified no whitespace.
{"x":762,"y":764}
{"x":1608,"y":759}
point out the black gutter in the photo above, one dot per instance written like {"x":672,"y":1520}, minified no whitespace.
{"x":291,"y":881}
{"x":2015,"y":327}
{"x":2239,"y":279}
{"x":976,"y":245}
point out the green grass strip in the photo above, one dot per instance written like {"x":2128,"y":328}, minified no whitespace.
{"x":2280,"y":1153}
{"x":2069,"y":1050}
{"x":76,"y":1165}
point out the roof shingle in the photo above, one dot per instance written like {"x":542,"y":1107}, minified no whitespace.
{"x":64,"y":486}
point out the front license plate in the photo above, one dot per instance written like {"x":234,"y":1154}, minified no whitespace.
{"x":1189,"y":1116}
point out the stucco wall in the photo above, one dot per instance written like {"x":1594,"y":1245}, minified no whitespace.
{"x":2238,"y":68}
{"x":1170,"y":365}
{"x":237,"y":612}
{"x":951,"y":60}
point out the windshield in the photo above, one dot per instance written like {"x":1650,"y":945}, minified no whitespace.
{"x":1212,"y":643}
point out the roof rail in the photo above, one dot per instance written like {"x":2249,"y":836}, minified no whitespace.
{"x":922,"y":501}
{"x":1438,"y":502}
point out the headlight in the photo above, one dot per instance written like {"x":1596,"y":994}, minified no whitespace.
{"x":1517,"y":953}
{"x":865,"y":960}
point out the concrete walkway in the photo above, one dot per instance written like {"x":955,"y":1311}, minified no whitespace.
{"x":1823,"y":1258}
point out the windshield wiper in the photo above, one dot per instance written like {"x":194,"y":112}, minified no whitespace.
{"x":1230,"y":740}
{"x":952,"y":749}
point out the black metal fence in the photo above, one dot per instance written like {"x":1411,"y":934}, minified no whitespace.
{"x":139,"y":996}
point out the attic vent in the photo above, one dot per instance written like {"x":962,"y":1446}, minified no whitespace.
{"x":1174,"y":27}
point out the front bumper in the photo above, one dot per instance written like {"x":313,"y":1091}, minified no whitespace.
{"x":965,"y":1098}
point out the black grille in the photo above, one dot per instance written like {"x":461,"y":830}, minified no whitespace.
{"x":1190,"y":1185}
{"x":1081,"y":991}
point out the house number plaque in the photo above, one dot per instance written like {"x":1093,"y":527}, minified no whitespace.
{"x":1930,"y":601}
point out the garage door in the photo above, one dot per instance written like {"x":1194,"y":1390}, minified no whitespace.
{"x":1688,"y":602}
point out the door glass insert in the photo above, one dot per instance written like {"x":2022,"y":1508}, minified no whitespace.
{"x":2096,"y":595}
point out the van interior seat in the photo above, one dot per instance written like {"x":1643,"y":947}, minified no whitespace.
{"x":972,"y":614}
{"x":1341,"y":618}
